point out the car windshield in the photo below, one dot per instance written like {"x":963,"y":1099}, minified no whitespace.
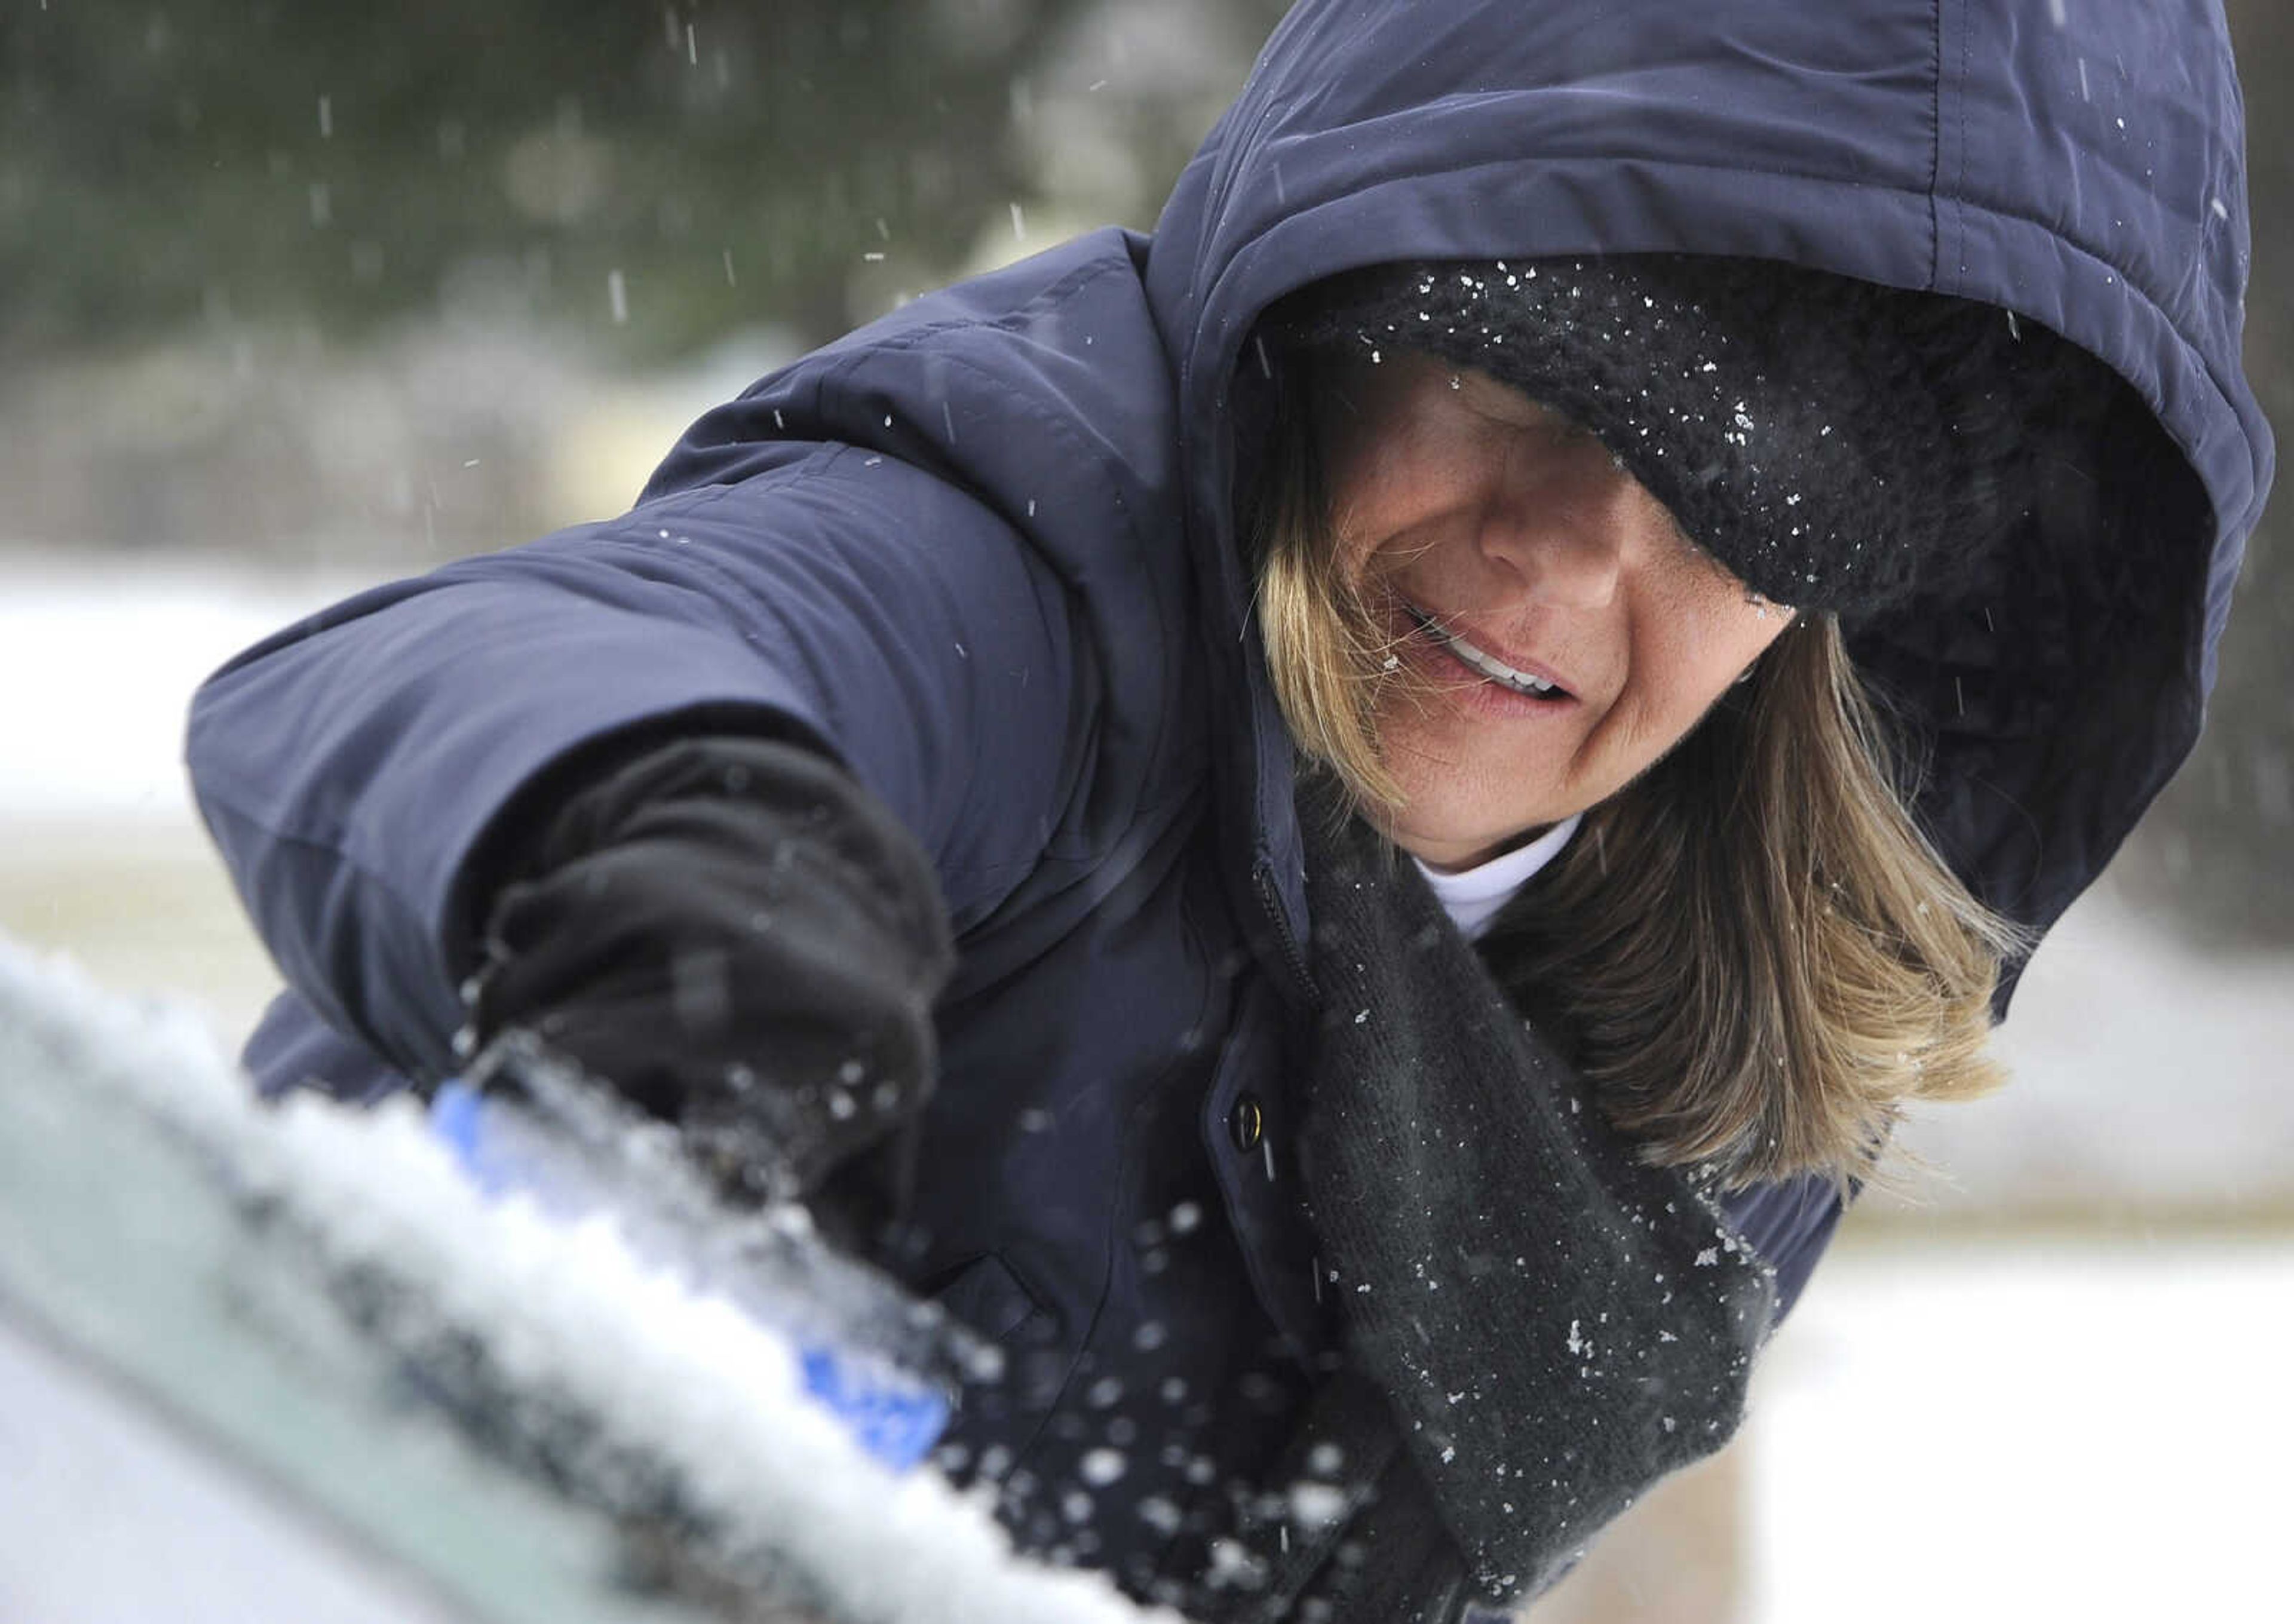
{"x":293,"y":1352}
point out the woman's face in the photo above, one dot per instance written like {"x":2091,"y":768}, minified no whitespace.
{"x":1564,"y":632}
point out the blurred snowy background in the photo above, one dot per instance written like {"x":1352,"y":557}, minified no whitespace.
{"x":306,"y":298}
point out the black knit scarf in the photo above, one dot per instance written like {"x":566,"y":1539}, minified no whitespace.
{"x":1536,"y":1326}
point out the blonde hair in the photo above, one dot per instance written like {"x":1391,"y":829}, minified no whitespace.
{"x":1751,"y":951}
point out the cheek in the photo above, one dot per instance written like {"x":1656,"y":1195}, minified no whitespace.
{"x":1696,"y":641}
{"x":1400,"y":460}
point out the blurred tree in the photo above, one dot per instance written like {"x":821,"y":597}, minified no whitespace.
{"x":2217,"y":855}
{"x":328,"y":282}
{"x":668,"y":172}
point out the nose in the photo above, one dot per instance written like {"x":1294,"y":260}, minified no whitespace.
{"x":1566,"y":532}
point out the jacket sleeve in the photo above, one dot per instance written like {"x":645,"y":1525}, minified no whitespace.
{"x":349,"y":765}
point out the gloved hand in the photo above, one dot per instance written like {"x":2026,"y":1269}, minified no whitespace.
{"x":739,"y":938}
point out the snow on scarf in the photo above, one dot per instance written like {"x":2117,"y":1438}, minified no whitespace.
{"x":1536,"y":1326}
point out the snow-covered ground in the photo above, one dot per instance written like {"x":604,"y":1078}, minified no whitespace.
{"x":2027,"y":1431}
{"x":98,"y":662}
{"x":2144,"y":1075}
{"x":2005,"y":1429}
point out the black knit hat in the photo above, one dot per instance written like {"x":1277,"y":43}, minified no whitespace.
{"x":1838,"y":445}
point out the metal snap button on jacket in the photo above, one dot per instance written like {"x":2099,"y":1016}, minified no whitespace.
{"x":1246,"y":1125}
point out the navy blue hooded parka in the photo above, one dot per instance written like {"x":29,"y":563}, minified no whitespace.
{"x":982,"y":552}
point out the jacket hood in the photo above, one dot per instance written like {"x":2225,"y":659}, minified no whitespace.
{"x":2080,"y":166}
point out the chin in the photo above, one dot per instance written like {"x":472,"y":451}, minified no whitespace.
{"x":1461,"y":841}
{"x":1460,"y":802}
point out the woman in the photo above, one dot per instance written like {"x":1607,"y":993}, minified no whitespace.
{"x":966,"y":790}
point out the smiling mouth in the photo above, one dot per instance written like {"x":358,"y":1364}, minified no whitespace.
{"x":1481,"y":661}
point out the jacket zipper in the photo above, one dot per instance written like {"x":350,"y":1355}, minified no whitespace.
{"x":1302,"y":980}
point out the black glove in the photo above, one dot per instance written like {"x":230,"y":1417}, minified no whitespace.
{"x":736,"y":937}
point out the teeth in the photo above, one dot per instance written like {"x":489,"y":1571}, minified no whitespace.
{"x":1497,"y":671}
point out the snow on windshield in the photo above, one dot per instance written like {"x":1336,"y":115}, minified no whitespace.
{"x":675,"y":1393}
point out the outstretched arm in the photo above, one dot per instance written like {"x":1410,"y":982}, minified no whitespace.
{"x":352,"y":767}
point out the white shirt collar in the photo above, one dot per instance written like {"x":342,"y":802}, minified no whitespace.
{"x":1473,"y":897}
